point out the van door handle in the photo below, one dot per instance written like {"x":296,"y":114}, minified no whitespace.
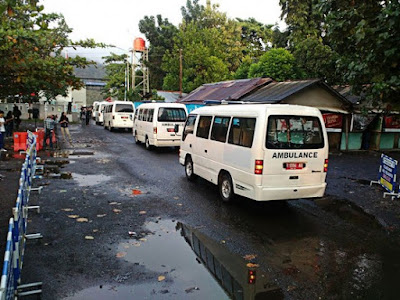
{"x":205,"y":151}
{"x":190,"y":145}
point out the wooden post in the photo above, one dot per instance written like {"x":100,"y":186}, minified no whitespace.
{"x":180,"y":73}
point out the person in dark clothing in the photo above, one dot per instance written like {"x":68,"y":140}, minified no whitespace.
{"x":88,"y":115}
{"x":64,"y":127}
{"x":17,"y":117}
{"x":9,"y":124}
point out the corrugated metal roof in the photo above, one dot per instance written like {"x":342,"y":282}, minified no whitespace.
{"x":170,"y":97}
{"x":226,"y":90}
{"x":346,"y":91}
{"x":277,"y":91}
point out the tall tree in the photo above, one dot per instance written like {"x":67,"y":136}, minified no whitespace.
{"x":366,"y":36}
{"x":160,"y":33}
{"x":212,"y":50}
{"x":279,"y":64}
{"x":116,"y":67}
{"x":31,"y":45}
{"x":256,"y":37}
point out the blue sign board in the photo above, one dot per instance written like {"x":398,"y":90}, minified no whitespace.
{"x":387,"y":173}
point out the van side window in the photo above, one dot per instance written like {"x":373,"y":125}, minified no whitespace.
{"x":150,"y":115}
{"x":140,"y":118}
{"x":220,"y":129}
{"x":145,"y":114}
{"x":242,"y":132}
{"x":189,"y":126}
{"x":203,"y":128}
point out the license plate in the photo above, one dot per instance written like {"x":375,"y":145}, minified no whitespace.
{"x":170,"y":130}
{"x":124,"y":117}
{"x":293,"y":166}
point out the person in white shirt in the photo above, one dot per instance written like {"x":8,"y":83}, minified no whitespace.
{"x":2,"y":130}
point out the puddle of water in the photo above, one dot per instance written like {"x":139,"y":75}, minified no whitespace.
{"x":193,"y":266}
{"x":89,"y":180}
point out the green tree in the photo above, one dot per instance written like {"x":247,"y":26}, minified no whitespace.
{"x":160,"y":33}
{"x":31,"y":45}
{"x":278,"y":64}
{"x":256,"y":37}
{"x":366,"y":36}
{"x":117,"y":67}
{"x":212,"y":50}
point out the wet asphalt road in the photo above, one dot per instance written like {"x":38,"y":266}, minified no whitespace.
{"x":143,"y":224}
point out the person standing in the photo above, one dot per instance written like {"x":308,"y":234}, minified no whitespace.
{"x":17,"y":117}
{"x":48,"y":127}
{"x":9,"y":124}
{"x":88,"y":115}
{"x":64,"y":127}
{"x":2,"y":130}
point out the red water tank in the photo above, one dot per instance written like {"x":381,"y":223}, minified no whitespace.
{"x":139,"y":44}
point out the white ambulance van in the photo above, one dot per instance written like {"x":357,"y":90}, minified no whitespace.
{"x":259,"y":151}
{"x":118,"y":114}
{"x":159,"y":124}
{"x":99,"y":112}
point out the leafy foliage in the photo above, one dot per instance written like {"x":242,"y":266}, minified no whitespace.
{"x":211,"y":46}
{"x":278,"y":64}
{"x":159,"y":32}
{"x":31,"y":45}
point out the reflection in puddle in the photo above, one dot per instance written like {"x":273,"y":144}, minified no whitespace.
{"x":89,"y":180}
{"x":191,"y":265}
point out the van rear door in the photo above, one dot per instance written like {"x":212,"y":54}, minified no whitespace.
{"x":296,"y":149}
{"x":124,"y":113}
{"x":170,"y":123}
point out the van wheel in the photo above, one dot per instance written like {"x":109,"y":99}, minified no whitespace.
{"x":147,"y":144}
{"x":189,"y":169}
{"x":225,"y":187}
{"x":136,"y":138}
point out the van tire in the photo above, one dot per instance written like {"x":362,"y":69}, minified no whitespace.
{"x":189,"y":169}
{"x":225,"y":188}
{"x":136,"y":138}
{"x":147,"y":144}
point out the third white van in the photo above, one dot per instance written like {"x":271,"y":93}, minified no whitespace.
{"x":118,"y":114}
{"x":159,"y":124}
{"x":259,"y":151}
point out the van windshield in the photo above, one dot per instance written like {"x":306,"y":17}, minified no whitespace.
{"x":128,"y":108}
{"x":294,"y":132}
{"x":171,"y":114}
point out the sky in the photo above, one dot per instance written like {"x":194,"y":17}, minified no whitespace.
{"x":116,"y":22}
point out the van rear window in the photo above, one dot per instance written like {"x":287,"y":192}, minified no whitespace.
{"x":166,"y":114}
{"x":128,"y":108}
{"x":294,"y":132}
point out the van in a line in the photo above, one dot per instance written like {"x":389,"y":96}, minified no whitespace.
{"x":118,"y":114}
{"x":259,"y":151}
{"x":98,"y":112}
{"x":95,"y":106}
{"x":159,"y":124}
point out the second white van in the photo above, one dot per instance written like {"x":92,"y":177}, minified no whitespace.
{"x":118,"y":114}
{"x":259,"y":151}
{"x":99,"y":111}
{"x":159,"y":124}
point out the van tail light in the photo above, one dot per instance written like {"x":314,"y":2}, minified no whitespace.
{"x":326,"y":166}
{"x":252,"y":277}
{"x":259,"y":167}
{"x":155,"y":130}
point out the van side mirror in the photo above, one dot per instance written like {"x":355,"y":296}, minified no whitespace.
{"x":176,"y":128}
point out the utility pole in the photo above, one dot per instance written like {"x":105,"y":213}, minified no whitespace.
{"x":180,"y":73}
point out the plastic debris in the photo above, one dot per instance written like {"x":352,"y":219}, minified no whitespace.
{"x":136,"y":192}
{"x":89,"y":237}
{"x":73,"y":216}
{"x":81,"y":220}
{"x":161,"y":278}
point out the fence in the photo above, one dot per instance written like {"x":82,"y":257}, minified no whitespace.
{"x":17,"y":231}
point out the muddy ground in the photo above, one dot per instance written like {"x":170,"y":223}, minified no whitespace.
{"x":95,"y":209}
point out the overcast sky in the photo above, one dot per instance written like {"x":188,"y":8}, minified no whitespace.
{"x":116,"y":21}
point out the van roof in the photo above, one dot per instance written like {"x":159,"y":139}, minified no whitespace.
{"x":163,"y":104}
{"x":254,"y":108}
